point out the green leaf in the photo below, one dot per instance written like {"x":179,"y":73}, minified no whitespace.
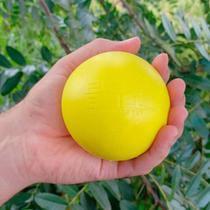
{"x":199,"y":125}
{"x":186,"y":153}
{"x":175,"y":205}
{"x":50,"y":201}
{"x":46,"y":54}
{"x":18,"y":95}
{"x":127,"y":205}
{"x":77,"y":207}
{"x":193,"y":185}
{"x":4,"y":62}
{"x":196,"y":27}
{"x":70,"y":190}
{"x":20,"y":198}
{"x":197,"y":82}
{"x":1,"y":79}
{"x":126,"y":190}
{"x":9,"y":5}
{"x":205,"y":27}
{"x":83,"y":3}
{"x":203,"y":198}
{"x":65,"y":4}
{"x":208,"y":207}
{"x":100,"y":195}
{"x":113,"y":188}
{"x":184,"y":26}
{"x":50,"y":5}
{"x":202,"y":50}
{"x":16,"y":56}
{"x":176,"y":178}
{"x":193,"y":160}
{"x":205,"y":65}
{"x":149,"y":27}
{"x":87,"y":202}
{"x":11,"y":83}
{"x":163,"y":174}
{"x":205,"y":167}
{"x":168,"y":27}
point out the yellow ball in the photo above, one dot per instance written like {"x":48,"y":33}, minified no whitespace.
{"x":114,"y":104}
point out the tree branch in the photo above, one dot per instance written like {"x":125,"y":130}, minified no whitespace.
{"x":142,"y":27}
{"x":62,"y":42}
{"x":153,"y":193}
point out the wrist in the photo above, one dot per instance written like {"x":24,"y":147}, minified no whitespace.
{"x":13,"y":153}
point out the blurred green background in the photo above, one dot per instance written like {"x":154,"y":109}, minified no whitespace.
{"x":34,"y":34}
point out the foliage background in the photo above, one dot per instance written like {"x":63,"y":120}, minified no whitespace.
{"x":32,"y":39}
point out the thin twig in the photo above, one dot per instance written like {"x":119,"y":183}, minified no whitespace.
{"x":33,"y":194}
{"x":161,"y":191}
{"x":153,"y":193}
{"x":140,"y":191}
{"x":77,"y":195}
{"x":62,"y":42}
{"x":142,"y":27}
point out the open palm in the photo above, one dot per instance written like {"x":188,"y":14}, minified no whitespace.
{"x":54,"y":155}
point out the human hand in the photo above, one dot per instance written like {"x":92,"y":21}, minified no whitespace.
{"x":48,"y":152}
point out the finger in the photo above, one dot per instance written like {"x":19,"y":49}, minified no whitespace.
{"x":160,"y":63}
{"x":68,"y":63}
{"x":177,"y":117}
{"x":176,"y":90}
{"x":154,"y":156}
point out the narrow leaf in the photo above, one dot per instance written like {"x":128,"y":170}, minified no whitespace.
{"x":149,"y":27}
{"x":20,"y":198}
{"x":70,"y":190}
{"x":77,"y":207}
{"x":202,"y":50}
{"x":16,"y":56}
{"x":127,"y":205}
{"x":50,"y":5}
{"x":193,"y":185}
{"x":193,"y":160}
{"x":208,"y":207}
{"x":197,"y":82}
{"x":113,"y":187}
{"x":199,"y":125}
{"x":126,"y":190}
{"x":87,"y":202}
{"x":205,"y":27}
{"x":196,"y":27}
{"x":11,"y":83}
{"x":4,"y":62}
{"x":176,"y":178}
{"x":46,"y":54}
{"x":205,"y":65}
{"x":168,"y":27}
{"x":185,"y":28}
{"x":100,"y":195}
{"x":50,"y":201}
{"x":203,"y":198}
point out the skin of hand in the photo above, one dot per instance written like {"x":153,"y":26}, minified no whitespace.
{"x":36,"y":147}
